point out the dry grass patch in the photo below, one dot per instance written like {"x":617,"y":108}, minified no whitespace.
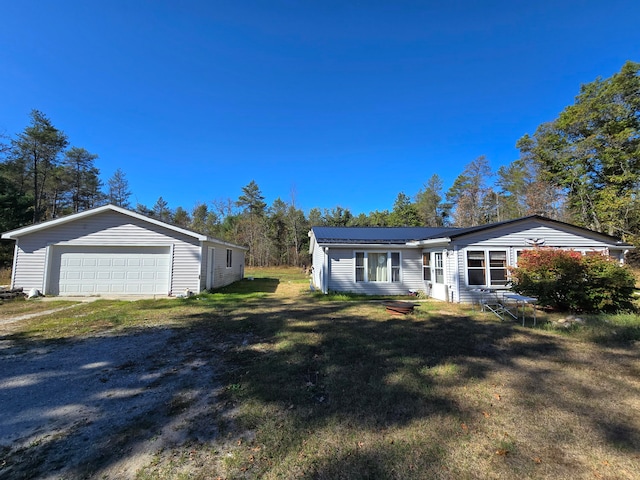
{"x":18,"y":307}
{"x":323,"y":388}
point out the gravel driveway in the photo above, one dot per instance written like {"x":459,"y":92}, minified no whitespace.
{"x":102,"y":406}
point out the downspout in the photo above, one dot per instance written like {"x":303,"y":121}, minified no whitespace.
{"x":325,"y":271}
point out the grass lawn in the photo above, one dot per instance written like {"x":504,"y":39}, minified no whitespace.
{"x":327,"y":388}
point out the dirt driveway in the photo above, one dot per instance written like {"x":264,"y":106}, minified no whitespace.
{"x":102,"y":406}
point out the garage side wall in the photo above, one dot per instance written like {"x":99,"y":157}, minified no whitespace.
{"x":222,"y":275}
{"x":105,"y":229}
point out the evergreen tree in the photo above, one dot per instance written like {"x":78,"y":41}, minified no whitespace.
{"x":431,"y":209}
{"x":404,"y":213}
{"x":119,"y":192}
{"x":181,"y":218}
{"x":161,"y":210}
{"x":37,"y":150}
{"x":83,"y":178}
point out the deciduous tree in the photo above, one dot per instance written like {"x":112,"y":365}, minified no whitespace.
{"x":592,"y":151}
{"x":468,"y":192}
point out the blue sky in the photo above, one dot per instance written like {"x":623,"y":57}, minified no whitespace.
{"x":346,"y":103}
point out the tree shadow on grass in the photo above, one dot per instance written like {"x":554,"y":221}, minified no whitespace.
{"x":279,"y":375}
{"x":250,"y":285}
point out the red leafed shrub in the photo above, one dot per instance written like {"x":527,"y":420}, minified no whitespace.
{"x":569,"y":280}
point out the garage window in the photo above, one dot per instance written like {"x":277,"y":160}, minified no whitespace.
{"x":229,"y":257}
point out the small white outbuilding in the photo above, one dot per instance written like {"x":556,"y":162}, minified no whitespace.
{"x":110,"y":250}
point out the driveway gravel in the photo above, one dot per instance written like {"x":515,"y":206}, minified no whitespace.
{"x":102,"y":407}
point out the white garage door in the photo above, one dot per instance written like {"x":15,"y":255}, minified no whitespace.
{"x":111,"y":270}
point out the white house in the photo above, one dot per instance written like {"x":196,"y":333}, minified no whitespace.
{"x":111,"y":250}
{"x":449,"y":264}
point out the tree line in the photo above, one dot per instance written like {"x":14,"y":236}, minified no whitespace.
{"x":583,"y":167}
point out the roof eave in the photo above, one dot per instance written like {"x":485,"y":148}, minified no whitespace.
{"x":430,"y":242}
{"x":361,"y":245}
{"x":15,"y":234}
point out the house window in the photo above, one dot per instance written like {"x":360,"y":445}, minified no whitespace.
{"x":229,"y":257}
{"x":438,"y":264}
{"x":498,"y":268}
{"x":426,"y":267}
{"x":395,"y":266}
{"x":377,"y":266}
{"x":359,"y":266}
{"x":479,"y":274}
{"x":476,"y":267}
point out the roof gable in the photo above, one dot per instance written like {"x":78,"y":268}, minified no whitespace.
{"x":542,"y":220}
{"x":14,"y":234}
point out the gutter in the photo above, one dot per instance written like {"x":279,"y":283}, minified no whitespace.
{"x":430,"y":242}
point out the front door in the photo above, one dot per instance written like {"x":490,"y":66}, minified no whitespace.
{"x":438,"y":288}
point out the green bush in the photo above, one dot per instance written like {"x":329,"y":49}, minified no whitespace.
{"x":568,"y":280}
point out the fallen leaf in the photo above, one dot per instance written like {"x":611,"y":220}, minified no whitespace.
{"x":498,"y":397}
{"x":502,"y":452}
{"x":486,"y":414}
{"x":360,"y":444}
{"x":464,"y":427}
{"x":537,"y":460}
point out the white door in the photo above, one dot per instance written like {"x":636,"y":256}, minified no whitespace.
{"x":439,"y":289}
{"x":211,"y":265}
{"x":80,"y":270}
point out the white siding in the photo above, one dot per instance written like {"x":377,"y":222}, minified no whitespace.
{"x":107,"y":228}
{"x":512,"y":238}
{"x":317,"y":262}
{"x":517,"y":234}
{"x":342,"y":268}
{"x":222,"y":275}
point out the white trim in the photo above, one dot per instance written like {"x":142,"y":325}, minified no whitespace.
{"x":434,"y":267}
{"x":89,"y":213}
{"x":366,"y":245}
{"x":14,"y":234}
{"x":172,"y":262}
{"x":13,"y":268}
{"x":444,"y":241}
{"x":47,"y":270}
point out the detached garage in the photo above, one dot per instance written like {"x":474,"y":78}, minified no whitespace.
{"x":113,"y":251}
